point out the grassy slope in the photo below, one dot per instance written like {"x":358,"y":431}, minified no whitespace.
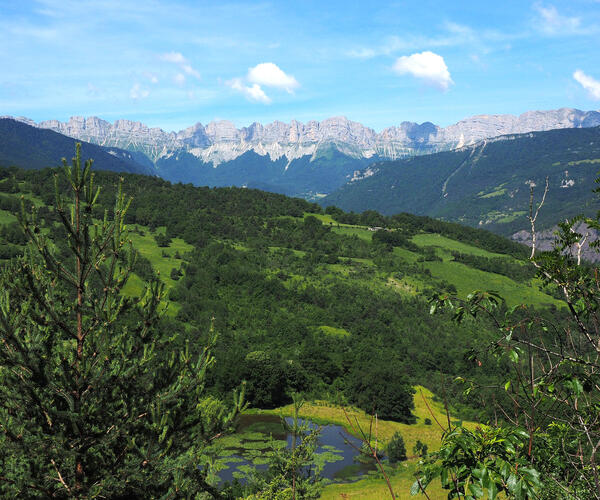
{"x":449,"y":245}
{"x":146,"y":245}
{"x":463,"y":277}
{"x":375,"y":488}
{"x":467,"y":279}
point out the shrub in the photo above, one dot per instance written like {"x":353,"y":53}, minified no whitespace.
{"x":420,"y":449}
{"x":396,"y":449}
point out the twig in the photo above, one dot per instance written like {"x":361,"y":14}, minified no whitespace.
{"x":532,"y":218}
{"x":60,"y":478}
{"x":431,"y":411}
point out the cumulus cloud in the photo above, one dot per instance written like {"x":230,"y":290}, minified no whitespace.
{"x":426,"y":66}
{"x":263,"y":75}
{"x":588,"y":83}
{"x":137,"y":92}
{"x":552,"y":22}
{"x":253,"y":92}
{"x":271,"y":75}
{"x":184,"y":65}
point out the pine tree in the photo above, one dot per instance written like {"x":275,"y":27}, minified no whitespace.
{"x":396,"y":450}
{"x":95,"y":399}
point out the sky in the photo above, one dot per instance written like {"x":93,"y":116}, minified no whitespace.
{"x":171,"y":64}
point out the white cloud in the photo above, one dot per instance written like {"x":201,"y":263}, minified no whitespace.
{"x":179,"y":79}
{"x":551,"y":22}
{"x":588,"y":83}
{"x":173,"y":57}
{"x":253,"y":93}
{"x":426,"y":66}
{"x":271,"y":75}
{"x":137,"y":92}
{"x":184,"y":65}
{"x":190,"y":71}
{"x":263,"y":74}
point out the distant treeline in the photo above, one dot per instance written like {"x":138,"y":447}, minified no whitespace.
{"x":194,"y":212}
{"x":516,"y":271}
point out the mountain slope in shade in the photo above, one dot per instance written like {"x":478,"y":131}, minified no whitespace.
{"x":486,"y":185}
{"x":322,"y":172}
{"x":31,"y":147}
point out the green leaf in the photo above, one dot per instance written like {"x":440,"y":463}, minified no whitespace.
{"x":444,"y":477}
{"x":512,"y":483}
{"x":492,"y":490}
{"x":476,"y":490}
{"x":415,"y":489}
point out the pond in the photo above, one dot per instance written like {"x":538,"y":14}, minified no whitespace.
{"x":247,"y":449}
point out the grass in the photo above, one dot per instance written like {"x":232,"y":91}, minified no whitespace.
{"x":134,"y":286}
{"x":359,"y":231}
{"x":581,"y":162}
{"x":374,"y":488}
{"x":406,"y":286}
{"x":511,"y":217}
{"x":333,"y":331}
{"x":467,"y":279}
{"x":406,"y":255}
{"x":297,"y":253}
{"x":162,"y":260}
{"x":324,"y":218}
{"x":448,"y":245}
{"x":493,"y":194}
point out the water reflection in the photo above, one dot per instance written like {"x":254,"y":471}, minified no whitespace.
{"x":336,"y":452}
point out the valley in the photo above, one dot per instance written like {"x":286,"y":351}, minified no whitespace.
{"x":299,"y":250}
{"x":312,"y":301}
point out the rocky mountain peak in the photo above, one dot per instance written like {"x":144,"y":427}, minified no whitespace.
{"x":222,"y":131}
{"x":221,"y":141}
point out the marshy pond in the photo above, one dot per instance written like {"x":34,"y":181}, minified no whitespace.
{"x":248,"y":448}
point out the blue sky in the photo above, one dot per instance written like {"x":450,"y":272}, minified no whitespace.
{"x":174,"y":63}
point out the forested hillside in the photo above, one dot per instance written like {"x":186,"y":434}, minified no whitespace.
{"x":486,"y":185}
{"x":308,"y":301}
{"x":322,"y":303}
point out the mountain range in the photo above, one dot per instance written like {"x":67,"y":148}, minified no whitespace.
{"x":308,"y":160}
